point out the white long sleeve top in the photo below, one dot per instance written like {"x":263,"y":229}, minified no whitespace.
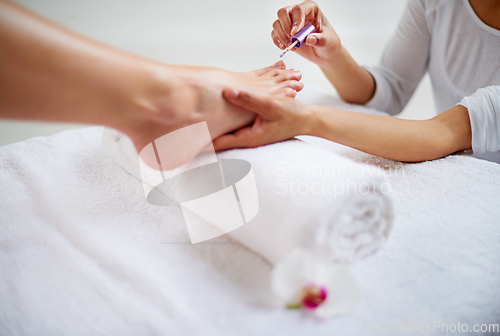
{"x":461,"y":54}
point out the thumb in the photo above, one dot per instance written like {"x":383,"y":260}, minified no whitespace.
{"x":247,"y":101}
{"x":244,"y":137}
{"x":316,"y":40}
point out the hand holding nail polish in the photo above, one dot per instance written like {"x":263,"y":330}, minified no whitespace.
{"x":298,"y":39}
{"x":306,"y":26}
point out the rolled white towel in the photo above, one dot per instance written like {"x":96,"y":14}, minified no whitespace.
{"x":307,"y":197}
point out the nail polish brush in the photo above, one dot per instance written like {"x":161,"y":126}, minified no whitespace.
{"x":298,"y":39}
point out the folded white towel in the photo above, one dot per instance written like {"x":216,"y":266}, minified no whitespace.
{"x":307,"y":196}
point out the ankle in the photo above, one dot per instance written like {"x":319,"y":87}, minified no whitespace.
{"x":157,"y":102}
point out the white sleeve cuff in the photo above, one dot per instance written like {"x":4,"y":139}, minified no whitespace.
{"x":378,"y":100}
{"x":382,"y":99}
{"x":484,"y":114}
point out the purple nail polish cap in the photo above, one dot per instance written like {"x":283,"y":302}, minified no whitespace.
{"x":301,"y":35}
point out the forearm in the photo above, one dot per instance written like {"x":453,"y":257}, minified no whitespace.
{"x":353,"y":83}
{"x":52,"y":74}
{"x":394,"y":138}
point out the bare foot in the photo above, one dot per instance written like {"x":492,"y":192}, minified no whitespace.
{"x":280,"y":82}
{"x":188,"y":95}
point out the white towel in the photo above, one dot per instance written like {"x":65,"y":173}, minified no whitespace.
{"x":83,"y":253}
{"x":305,"y":194}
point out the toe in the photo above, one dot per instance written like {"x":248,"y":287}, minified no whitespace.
{"x":289,"y":75}
{"x":272,"y":69}
{"x":299,"y":87}
{"x":285,"y":92}
{"x":279,"y":65}
{"x":261,"y":72}
{"x":288,"y":92}
{"x":294,"y":85}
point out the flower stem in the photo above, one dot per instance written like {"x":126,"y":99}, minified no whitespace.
{"x":296,"y":305}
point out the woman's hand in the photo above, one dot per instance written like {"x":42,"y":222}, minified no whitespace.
{"x":277,"y":119}
{"x":389,"y":137}
{"x":320,"y":47}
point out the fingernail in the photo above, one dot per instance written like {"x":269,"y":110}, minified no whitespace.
{"x":311,"y":40}
{"x":282,"y":46}
{"x":295,"y":30}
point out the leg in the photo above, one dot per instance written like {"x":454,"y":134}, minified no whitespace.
{"x":52,"y":74}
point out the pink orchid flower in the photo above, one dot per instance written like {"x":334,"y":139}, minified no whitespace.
{"x":304,"y":279}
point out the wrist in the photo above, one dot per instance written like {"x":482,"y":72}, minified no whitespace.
{"x":322,"y":122}
{"x":353,"y":83}
{"x":337,"y":59}
{"x":309,"y":121}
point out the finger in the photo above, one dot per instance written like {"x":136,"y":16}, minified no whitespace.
{"x":320,"y":22}
{"x":284,"y":19}
{"x":282,"y":38}
{"x":277,"y":41}
{"x":316,"y":40}
{"x":226,"y":141}
{"x":298,"y":17}
{"x":242,"y":138}
{"x":247,"y":101}
{"x":299,"y":13}
{"x":238,"y":139}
